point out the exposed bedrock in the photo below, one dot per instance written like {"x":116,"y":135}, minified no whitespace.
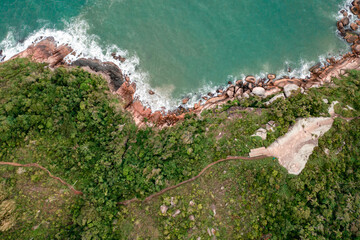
{"x":109,"y":68}
{"x":46,"y":51}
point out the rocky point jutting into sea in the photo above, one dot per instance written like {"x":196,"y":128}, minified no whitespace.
{"x":46,"y":50}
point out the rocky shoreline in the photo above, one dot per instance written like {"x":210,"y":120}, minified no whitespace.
{"x":47,"y":51}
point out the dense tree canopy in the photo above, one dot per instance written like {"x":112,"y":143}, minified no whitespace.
{"x":68,"y":121}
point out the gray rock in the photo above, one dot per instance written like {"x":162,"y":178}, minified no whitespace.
{"x":246,"y":95}
{"x":177,"y":212}
{"x":239,"y":92}
{"x":289,"y":88}
{"x":20,"y":170}
{"x":259,"y":91}
{"x":261,"y":132}
{"x":327,"y":151}
{"x":281,"y":95}
{"x":270,"y":126}
{"x":163,"y":209}
{"x":230,"y":93}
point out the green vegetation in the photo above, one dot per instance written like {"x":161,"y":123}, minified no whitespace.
{"x":67,"y":121}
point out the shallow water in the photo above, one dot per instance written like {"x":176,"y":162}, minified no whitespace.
{"x":180,"y":47}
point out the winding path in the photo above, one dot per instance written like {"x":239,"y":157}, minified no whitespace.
{"x":76,"y":192}
{"x":127,"y":202}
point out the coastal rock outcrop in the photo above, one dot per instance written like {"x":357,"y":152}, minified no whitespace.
{"x":109,"y":68}
{"x":46,"y":51}
{"x":127,"y":91}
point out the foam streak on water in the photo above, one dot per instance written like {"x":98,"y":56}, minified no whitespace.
{"x":75,"y":34}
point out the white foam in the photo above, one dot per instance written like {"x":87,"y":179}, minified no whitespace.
{"x":85,"y":45}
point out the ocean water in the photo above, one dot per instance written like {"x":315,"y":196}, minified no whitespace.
{"x":182,"y":48}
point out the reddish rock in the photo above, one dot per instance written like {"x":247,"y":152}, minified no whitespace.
{"x":351,"y":37}
{"x":146,"y":113}
{"x":156,"y":117}
{"x":126,"y":91}
{"x":239,"y":83}
{"x":250,"y":79}
{"x":281,"y":82}
{"x":118,"y":57}
{"x":230,"y":91}
{"x":354,"y":26}
{"x":340,"y":25}
{"x":46,"y":51}
{"x":356,"y":48}
{"x":185,"y":100}
{"x":354,"y":10}
{"x":138,"y":108}
{"x":271,"y":76}
{"x":151,"y":92}
{"x":239,"y":92}
{"x":345,"y":21}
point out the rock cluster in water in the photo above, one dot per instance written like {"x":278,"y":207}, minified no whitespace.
{"x":46,"y":50}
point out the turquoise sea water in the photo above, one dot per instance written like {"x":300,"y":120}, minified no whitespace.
{"x":179,"y":47}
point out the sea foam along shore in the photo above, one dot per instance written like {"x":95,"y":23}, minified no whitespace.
{"x":264,"y":87}
{"x":75,"y":34}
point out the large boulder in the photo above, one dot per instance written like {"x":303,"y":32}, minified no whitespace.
{"x":273,"y":99}
{"x":345,"y":21}
{"x":351,"y":37}
{"x":261,"y":132}
{"x":239,"y":92}
{"x":230,"y":91}
{"x":356,"y":48}
{"x":289,"y":88}
{"x":250,"y":79}
{"x":259,"y":91}
{"x":354,"y":26}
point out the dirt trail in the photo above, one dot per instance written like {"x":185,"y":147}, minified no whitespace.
{"x":127,"y":202}
{"x":42,"y":168}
